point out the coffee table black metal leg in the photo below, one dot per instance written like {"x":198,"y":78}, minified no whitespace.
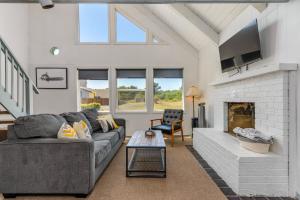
{"x":165,"y":159}
{"x":126,"y":162}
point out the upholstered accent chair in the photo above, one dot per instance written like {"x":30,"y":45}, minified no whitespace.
{"x":170,"y":123}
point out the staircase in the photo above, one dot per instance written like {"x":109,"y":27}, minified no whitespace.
{"x":16,"y":90}
{"x":5,"y":119}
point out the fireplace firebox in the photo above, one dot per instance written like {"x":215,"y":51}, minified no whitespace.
{"x":238,"y":114}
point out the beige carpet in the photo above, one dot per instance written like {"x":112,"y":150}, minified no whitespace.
{"x":186,"y":180}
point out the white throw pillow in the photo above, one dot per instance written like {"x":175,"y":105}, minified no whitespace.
{"x":104,"y":125}
{"x":82,"y":130}
{"x":66,"y":132}
{"x":107,"y":122}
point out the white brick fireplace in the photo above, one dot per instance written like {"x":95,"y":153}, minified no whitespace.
{"x":271,"y":89}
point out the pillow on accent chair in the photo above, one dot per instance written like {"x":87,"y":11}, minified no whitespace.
{"x":92,"y":115}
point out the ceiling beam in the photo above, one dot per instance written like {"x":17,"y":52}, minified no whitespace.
{"x":148,"y":1}
{"x":197,"y":22}
{"x":158,"y":27}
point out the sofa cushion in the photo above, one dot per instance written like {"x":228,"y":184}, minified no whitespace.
{"x":112,"y":136}
{"x":72,"y":117}
{"x":43,"y":125}
{"x":163,"y":128}
{"x":102,"y":149}
{"x":91,"y":115}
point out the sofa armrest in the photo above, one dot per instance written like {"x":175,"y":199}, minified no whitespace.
{"x":47,"y":166}
{"x":11,"y":132}
{"x":121,"y":122}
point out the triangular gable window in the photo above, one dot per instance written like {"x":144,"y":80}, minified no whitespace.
{"x":128,"y":31}
{"x":106,"y":23}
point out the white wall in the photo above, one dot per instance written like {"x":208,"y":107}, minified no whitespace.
{"x":14,"y":30}
{"x":209,"y":70}
{"x":279,"y":27}
{"x":58,"y":27}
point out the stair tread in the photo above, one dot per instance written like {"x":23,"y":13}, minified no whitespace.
{"x":7,"y":121}
{"x":3,"y":127}
{"x":4,"y":112}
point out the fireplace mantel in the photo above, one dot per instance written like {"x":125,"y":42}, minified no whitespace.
{"x":266,"y":69}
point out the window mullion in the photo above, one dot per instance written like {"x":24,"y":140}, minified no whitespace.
{"x":112,"y":24}
{"x":149,"y":90}
{"x":149,"y":36}
{"x":113,"y":91}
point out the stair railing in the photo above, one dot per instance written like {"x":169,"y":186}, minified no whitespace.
{"x":16,"y":87}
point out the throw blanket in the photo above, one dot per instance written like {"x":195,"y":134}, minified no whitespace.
{"x":254,"y":135}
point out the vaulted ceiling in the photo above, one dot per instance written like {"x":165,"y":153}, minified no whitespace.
{"x":218,"y":16}
{"x":200,"y":24}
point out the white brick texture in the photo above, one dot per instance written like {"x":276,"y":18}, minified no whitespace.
{"x":248,"y":173}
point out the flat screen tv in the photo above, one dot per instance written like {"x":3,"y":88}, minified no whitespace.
{"x":241,"y":49}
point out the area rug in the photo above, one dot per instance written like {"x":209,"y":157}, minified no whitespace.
{"x":186,"y":180}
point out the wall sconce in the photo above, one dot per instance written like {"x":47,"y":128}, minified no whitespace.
{"x":54,"y":51}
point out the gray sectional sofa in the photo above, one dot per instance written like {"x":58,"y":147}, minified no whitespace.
{"x":34,"y":161}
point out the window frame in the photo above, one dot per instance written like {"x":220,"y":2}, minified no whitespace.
{"x":113,"y":92}
{"x":135,"y":22}
{"x":152,"y":92}
{"x":116,"y":109}
{"x":112,"y":34}
{"x":110,"y":106}
{"x":108,"y":27}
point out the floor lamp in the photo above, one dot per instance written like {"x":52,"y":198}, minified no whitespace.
{"x":193,"y":92}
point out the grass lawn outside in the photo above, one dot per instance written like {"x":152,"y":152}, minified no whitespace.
{"x":132,"y":106}
{"x":162,"y":105}
{"x":141,"y":106}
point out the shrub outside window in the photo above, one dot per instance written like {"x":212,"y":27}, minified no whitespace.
{"x":94,"y":89}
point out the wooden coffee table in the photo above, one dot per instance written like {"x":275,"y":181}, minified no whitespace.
{"x":148,"y":155}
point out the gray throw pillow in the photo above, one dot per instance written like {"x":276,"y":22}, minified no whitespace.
{"x":42,"y":125}
{"x":72,"y":117}
{"x":92,"y":115}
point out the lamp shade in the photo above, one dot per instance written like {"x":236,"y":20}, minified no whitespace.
{"x":193,"y":91}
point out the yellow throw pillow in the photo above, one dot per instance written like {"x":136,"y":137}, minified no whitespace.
{"x":111,"y":121}
{"x":82,"y":130}
{"x":67,"y":132}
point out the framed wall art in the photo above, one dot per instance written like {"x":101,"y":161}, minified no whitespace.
{"x":51,"y":77}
